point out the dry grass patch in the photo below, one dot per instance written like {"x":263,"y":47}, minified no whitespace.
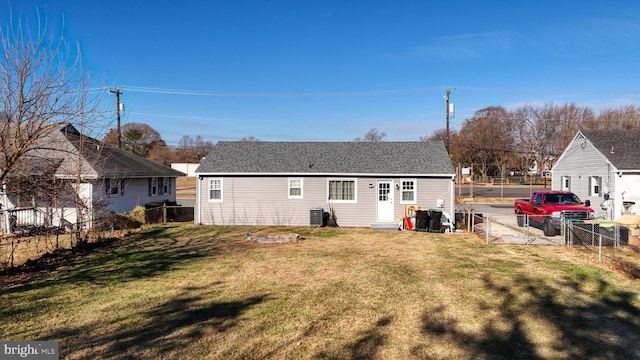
{"x":186,"y":187}
{"x":206,"y":292}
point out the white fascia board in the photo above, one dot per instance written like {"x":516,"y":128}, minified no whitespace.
{"x":626,"y":172}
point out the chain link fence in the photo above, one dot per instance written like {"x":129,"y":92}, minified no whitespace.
{"x":524,"y":230}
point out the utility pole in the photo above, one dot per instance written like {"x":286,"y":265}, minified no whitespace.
{"x":446,"y":99}
{"x":117,"y":91}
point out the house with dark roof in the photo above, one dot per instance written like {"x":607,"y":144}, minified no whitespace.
{"x":602,"y":166}
{"x":365,"y":184}
{"x":68,"y":168}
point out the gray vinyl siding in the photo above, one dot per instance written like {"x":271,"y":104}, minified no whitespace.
{"x":136,"y":193}
{"x":581,"y":161}
{"x":263,"y":200}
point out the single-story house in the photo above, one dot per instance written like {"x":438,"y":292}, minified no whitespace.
{"x":602,"y":166}
{"x":72,"y":175}
{"x":365,"y":184}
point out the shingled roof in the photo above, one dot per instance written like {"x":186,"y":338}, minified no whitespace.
{"x":327,"y":158}
{"x":97,"y":159}
{"x":111,"y":161}
{"x":620,"y":147}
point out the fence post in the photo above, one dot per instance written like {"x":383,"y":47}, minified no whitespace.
{"x":473,"y":221}
{"x":164,"y":213}
{"x":599,"y":247}
{"x":487,"y":223}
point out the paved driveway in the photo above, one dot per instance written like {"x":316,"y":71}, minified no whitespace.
{"x":503,"y":227}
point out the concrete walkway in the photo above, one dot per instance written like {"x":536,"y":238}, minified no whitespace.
{"x":501,"y":234}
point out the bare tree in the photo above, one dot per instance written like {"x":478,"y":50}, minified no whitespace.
{"x":249,"y":138}
{"x":193,"y":149}
{"x":485,"y":139}
{"x":441,"y":135}
{"x":542,"y":133}
{"x":625,"y":118}
{"x":42,"y":85}
{"x":372,"y":135}
{"x":436,"y":135}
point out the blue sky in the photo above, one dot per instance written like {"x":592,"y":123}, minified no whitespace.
{"x":332,"y":70}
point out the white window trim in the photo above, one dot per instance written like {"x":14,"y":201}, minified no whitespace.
{"x":153,"y":187}
{"x":109,"y":185}
{"x":355,"y":191}
{"x":595,"y":181}
{"x":289,"y":196}
{"x":209,"y":182}
{"x":415,"y":192}
{"x":564,"y":180}
{"x":166,"y":185}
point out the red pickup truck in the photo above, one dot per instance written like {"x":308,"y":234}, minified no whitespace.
{"x":547,"y":209}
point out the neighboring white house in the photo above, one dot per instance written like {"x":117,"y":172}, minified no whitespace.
{"x":602,"y":166}
{"x":366,"y":184}
{"x":76,"y":167}
{"x":187,"y":168}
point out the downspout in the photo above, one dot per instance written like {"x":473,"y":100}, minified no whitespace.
{"x":197,"y":217}
{"x":452,"y":205}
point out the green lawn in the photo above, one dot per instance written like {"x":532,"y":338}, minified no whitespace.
{"x":188,"y":292}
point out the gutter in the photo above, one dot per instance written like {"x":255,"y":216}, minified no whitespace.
{"x":208,"y":174}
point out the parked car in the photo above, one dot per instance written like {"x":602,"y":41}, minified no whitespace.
{"x":548,"y":209}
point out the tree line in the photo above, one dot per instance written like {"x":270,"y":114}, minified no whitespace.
{"x":529,"y":136}
{"x":142,"y":139}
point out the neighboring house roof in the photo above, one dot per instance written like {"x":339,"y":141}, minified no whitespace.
{"x":100,"y":160}
{"x":620,"y":147}
{"x":336,"y":158}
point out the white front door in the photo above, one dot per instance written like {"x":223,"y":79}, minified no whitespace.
{"x":385,"y":201}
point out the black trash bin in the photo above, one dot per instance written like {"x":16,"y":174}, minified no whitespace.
{"x":435,"y":222}
{"x":422,"y":220}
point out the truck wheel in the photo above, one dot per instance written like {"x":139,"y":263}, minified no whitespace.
{"x":547,"y":228}
{"x":520,"y":217}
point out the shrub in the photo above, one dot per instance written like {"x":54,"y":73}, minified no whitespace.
{"x":115,"y":221}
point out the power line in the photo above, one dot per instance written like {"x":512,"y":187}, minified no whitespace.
{"x":569,"y":92}
{"x":276,"y":95}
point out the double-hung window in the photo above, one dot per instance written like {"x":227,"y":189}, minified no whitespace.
{"x":408,"y":191}
{"x":166,"y":185}
{"x":113,"y":187}
{"x":295,"y":188}
{"x":595,"y":186}
{"x":153,"y":186}
{"x":342,"y":190}
{"x":215,"y":190}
